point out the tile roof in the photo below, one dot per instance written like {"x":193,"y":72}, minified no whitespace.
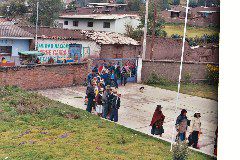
{"x":100,"y":16}
{"x":98,"y":37}
{"x":12,"y":31}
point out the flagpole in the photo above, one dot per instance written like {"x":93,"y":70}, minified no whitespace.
{"x":180,"y":74}
{"x":145,"y":32}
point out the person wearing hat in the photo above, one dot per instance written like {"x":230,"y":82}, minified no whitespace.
{"x":157,"y":122}
{"x":195,"y":130}
{"x":182,"y":123}
{"x":116,"y":102}
{"x":106,"y":101}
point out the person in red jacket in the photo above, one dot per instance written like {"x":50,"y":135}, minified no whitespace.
{"x":157,"y":122}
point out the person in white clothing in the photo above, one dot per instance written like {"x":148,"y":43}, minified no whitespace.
{"x":195,"y":130}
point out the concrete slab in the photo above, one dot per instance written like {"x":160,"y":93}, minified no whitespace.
{"x":137,"y":109}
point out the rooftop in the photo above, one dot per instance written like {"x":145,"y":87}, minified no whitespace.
{"x":14,"y":32}
{"x":99,"y":16}
{"x":66,"y":34}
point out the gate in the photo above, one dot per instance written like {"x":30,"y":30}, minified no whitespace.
{"x":129,"y":63}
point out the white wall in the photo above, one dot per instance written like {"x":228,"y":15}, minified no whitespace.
{"x":115,"y":25}
{"x":58,"y":48}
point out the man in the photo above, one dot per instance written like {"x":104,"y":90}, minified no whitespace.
{"x":115,"y":106}
{"x":123,"y":76}
{"x":106,"y":101}
{"x":90,"y":95}
{"x":181,"y":125}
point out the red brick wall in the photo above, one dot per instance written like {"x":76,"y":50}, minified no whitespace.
{"x":170,"y":70}
{"x":120,"y":51}
{"x":170,"y":49}
{"x":44,"y":76}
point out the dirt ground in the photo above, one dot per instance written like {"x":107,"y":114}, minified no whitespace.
{"x":137,"y":109}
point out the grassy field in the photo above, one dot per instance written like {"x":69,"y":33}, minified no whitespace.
{"x":34,"y":127}
{"x":200,"y":90}
{"x":191,"y":31}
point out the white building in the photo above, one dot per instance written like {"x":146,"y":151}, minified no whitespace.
{"x":99,"y":22}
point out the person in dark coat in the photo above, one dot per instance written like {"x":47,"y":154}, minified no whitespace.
{"x":91,"y":76}
{"x":90,"y":96}
{"x":106,"y":101}
{"x":182,"y":123}
{"x":115,"y":106}
{"x":123,"y":76}
{"x":157,"y":122}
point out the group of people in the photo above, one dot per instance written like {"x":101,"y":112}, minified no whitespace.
{"x":104,"y":101}
{"x":181,"y":125}
{"x":111,"y":73}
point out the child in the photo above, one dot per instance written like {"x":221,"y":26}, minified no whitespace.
{"x":99,"y":107}
{"x":115,"y":106}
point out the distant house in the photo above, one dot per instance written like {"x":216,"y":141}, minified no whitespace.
{"x":99,"y":22}
{"x":13,"y":40}
{"x":63,"y":43}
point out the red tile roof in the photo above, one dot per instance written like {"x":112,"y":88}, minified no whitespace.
{"x":12,"y":31}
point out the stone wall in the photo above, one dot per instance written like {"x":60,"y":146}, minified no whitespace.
{"x":170,"y":70}
{"x":44,"y":76}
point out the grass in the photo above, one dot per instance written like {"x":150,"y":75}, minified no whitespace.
{"x":35,"y":127}
{"x":200,"y":90}
{"x":191,"y":31}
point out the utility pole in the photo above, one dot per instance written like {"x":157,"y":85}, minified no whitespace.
{"x":36,"y":28}
{"x":145,"y":32}
{"x":153,"y":29}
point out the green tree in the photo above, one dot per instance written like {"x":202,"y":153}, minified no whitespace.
{"x":192,"y":3}
{"x":134,"y":5}
{"x":13,"y":8}
{"x":176,"y":2}
{"x":48,"y":11}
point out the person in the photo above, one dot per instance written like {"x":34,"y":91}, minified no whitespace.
{"x":91,"y":76}
{"x":104,"y":76}
{"x":106,"y":101}
{"x":99,"y":108}
{"x":4,"y":60}
{"x":195,"y":130}
{"x":114,"y":80}
{"x":157,"y":122}
{"x":38,"y":61}
{"x":123,"y":76}
{"x":182,"y":123}
{"x":90,"y":96}
{"x":115,"y":106}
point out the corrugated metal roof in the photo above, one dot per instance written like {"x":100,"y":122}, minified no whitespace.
{"x":100,"y":16}
{"x":12,"y":31}
{"x":110,"y":38}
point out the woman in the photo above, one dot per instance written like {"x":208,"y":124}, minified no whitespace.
{"x":157,"y":122}
{"x":182,"y":123}
{"x":195,"y":130}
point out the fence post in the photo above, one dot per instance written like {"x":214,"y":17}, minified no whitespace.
{"x":139,"y":69}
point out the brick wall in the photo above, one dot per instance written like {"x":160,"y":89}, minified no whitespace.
{"x":120,"y":51}
{"x":44,"y":76}
{"x":170,"y":49}
{"x":170,"y":70}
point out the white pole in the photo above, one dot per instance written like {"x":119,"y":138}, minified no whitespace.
{"x":36,"y":28}
{"x":180,"y":75}
{"x":145,"y":32}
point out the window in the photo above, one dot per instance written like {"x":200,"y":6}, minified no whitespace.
{"x":106,"y":24}
{"x":90,"y":24}
{"x":75,"y":23}
{"x":65,"y":22}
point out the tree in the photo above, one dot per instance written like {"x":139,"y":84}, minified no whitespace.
{"x":48,"y":11}
{"x":13,"y":8}
{"x":134,"y":5}
{"x":192,"y":3}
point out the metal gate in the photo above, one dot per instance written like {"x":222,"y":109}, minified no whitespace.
{"x":129,"y":63}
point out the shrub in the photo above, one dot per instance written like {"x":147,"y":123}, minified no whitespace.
{"x":187,"y":78}
{"x":180,"y":151}
{"x":212,"y":74}
{"x":154,"y":79}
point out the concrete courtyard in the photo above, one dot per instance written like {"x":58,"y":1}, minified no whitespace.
{"x":137,"y":109}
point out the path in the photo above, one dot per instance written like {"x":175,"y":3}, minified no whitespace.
{"x":137,"y":108}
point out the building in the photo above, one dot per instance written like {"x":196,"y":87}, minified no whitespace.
{"x":62,"y":43}
{"x":13,"y":40}
{"x":99,"y":22}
